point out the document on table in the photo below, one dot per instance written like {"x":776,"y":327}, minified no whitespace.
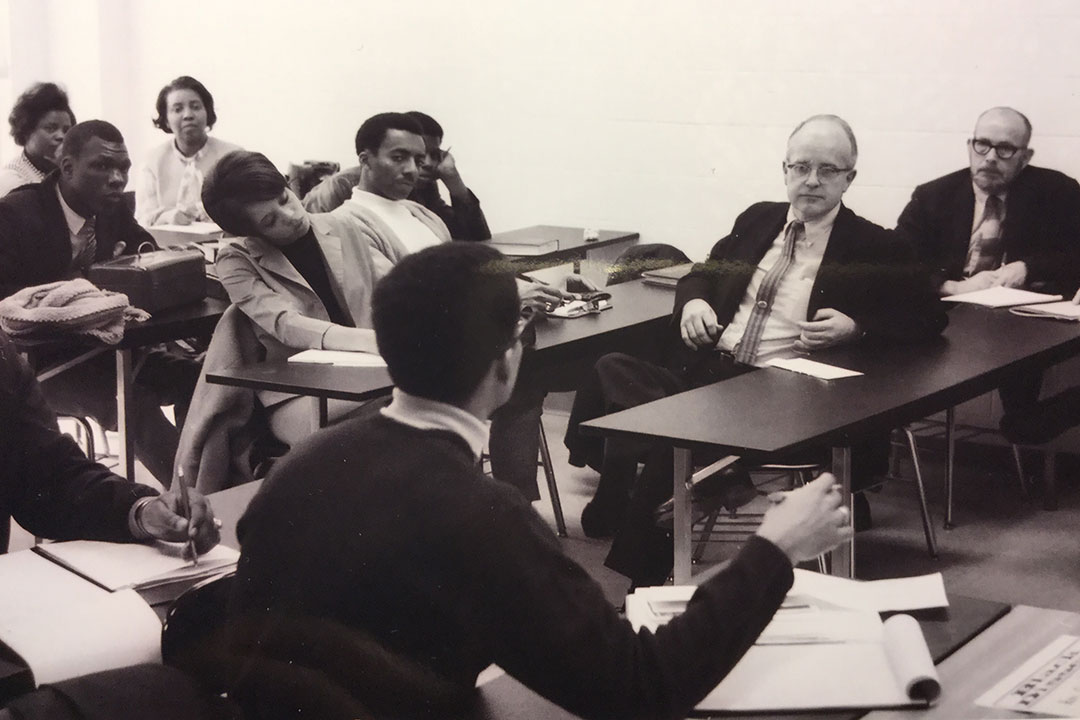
{"x":1064,"y":310}
{"x":893,"y":594}
{"x":1001,"y":297}
{"x":812,"y":367}
{"x":338,"y":357}
{"x":809,"y":652}
{"x":115,"y":566}
{"x":63,"y":626}
{"x":1049,"y":682}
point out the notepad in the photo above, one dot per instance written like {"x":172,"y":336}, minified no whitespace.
{"x":1048,"y":682}
{"x":812,"y":368}
{"x":116,"y":566}
{"x":1001,"y":297}
{"x":1064,"y":310}
{"x":63,"y":626}
{"x":338,"y":357}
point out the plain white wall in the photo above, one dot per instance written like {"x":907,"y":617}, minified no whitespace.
{"x":666,"y":118}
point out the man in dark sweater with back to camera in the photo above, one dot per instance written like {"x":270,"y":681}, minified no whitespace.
{"x":386,"y":530}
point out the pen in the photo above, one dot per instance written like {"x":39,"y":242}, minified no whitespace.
{"x":185,"y":509}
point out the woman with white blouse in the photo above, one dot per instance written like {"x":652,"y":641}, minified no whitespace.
{"x":170,"y":184}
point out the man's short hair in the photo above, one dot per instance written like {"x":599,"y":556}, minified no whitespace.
{"x":237,"y":180}
{"x":441,"y":317}
{"x":35,"y":103}
{"x":371,"y":134}
{"x":1005,"y":108}
{"x":428,"y":123}
{"x":184,"y":82}
{"x":841,"y":122}
{"x":83,"y":132}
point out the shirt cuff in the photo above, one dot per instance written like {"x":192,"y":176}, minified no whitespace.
{"x":135,"y":518}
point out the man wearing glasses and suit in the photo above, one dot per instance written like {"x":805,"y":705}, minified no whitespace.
{"x":1001,"y":222}
{"x":790,"y":278}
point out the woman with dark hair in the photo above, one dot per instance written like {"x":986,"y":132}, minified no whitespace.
{"x":40,"y":119}
{"x":170,"y":183}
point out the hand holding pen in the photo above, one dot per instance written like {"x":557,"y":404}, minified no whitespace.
{"x":182,"y":514}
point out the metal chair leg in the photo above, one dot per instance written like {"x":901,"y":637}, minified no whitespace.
{"x":1019,"y":463}
{"x":927,"y":521}
{"x":553,"y":489}
{"x":1050,"y":500}
{"x":710,"y":524}
{"x":950,"y":457}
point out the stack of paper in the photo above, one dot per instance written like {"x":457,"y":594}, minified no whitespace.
{"x":1001,"y":297}
{"x":826,"y":647}
{"x":1064,"y":310}
{"x":338,"y":357}
{"x":116,"y":566}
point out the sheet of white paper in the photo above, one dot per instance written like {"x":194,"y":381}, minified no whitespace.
{"x":1065,"y":308}
{"x":812,"y":367}
{"x":1049,"y":682}
{"x":339,"y":357}
{"x":1001,"y":297}
{"x":122,"y":565}
{"x":64,"y":641}
{"x":202,"y":229}
{"x":911,"y":593}
{"x":28,"y":580}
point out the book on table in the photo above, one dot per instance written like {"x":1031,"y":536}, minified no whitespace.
{"x":826,"y":648}
{"x":667,"y":276}
{"x":54,"y":625}
{"x":522,"y":245}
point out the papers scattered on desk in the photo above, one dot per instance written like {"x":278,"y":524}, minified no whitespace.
{"x":1064,"y":310}
{"x":64,"y":626}
{"x":808,"y":655}
{"x":115,"y":566}
{"x":813,"y":368}
{"x":1001,"y":297}
{"x":338,"y":357}
{"x":1047,"y":683}
{"x":580,"y":308}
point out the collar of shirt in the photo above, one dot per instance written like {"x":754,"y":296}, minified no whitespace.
{"x":376,"y":202}
{"x":815,"y":231}
{"x":187,"y":159}
{"x":425,"y":414}
{"x":75,"y":221}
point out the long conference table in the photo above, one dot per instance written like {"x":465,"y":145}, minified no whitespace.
{"x":772,"y":411}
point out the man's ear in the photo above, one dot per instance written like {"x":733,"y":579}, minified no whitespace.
{"x":67,"y":166}
{"x":364,"y":158}
{"x":502,"y":365}
{"x":1026,"y":158}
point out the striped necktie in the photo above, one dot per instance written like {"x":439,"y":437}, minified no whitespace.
{"x":985,"y":252}
{"x":747,"y":348}
{"x":89,"y":246}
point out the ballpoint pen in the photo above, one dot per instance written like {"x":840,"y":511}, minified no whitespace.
{"x":185,"y":509}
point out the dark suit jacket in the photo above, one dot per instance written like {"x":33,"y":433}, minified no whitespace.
{"x":867,"y":273}
{"x":46,"y":481}
{"x":1042,"y":226}
{"x":35,"y":245}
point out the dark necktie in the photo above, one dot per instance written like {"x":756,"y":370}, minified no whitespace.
{"x":747,"y":348}
{"x":89,"y":235}
{"x":985,"y":251}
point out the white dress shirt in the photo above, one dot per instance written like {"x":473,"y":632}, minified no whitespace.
{"x":412,"y":233}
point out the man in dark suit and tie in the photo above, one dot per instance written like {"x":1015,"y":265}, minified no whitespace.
{"x":1000,"y":222}
{"x":53,"y":231}
{"x":790,"y":278}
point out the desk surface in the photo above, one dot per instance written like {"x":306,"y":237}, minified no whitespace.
{"x":773,"y":410}
{"x":987,"y":659}
{"x":572,"y":242}
{"x":947,"y":632}
{"x":636,"y":309}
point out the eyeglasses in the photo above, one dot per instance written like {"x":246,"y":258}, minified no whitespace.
{"x":1003,"y":150}
{"x":825,"y":173}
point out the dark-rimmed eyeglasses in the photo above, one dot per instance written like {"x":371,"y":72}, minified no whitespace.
{"x":825,"y":173}
{"x":981,"y":146}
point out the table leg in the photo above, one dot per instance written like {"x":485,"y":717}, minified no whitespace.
{"x":843,"y":557}
{"x":950,"y":463}
{"x":681,"y":517}
{"x":124,"y":390}
{"x":319,"y":413}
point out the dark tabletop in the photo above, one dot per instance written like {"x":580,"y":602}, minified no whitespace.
{"x":772,"y":410}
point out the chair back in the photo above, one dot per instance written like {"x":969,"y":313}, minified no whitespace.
{"x":193,"y":637}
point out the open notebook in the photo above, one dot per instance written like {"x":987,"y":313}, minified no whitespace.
{"x":116,"y":566}
{"x":816,"y":654}
{"x":62,"y":626}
